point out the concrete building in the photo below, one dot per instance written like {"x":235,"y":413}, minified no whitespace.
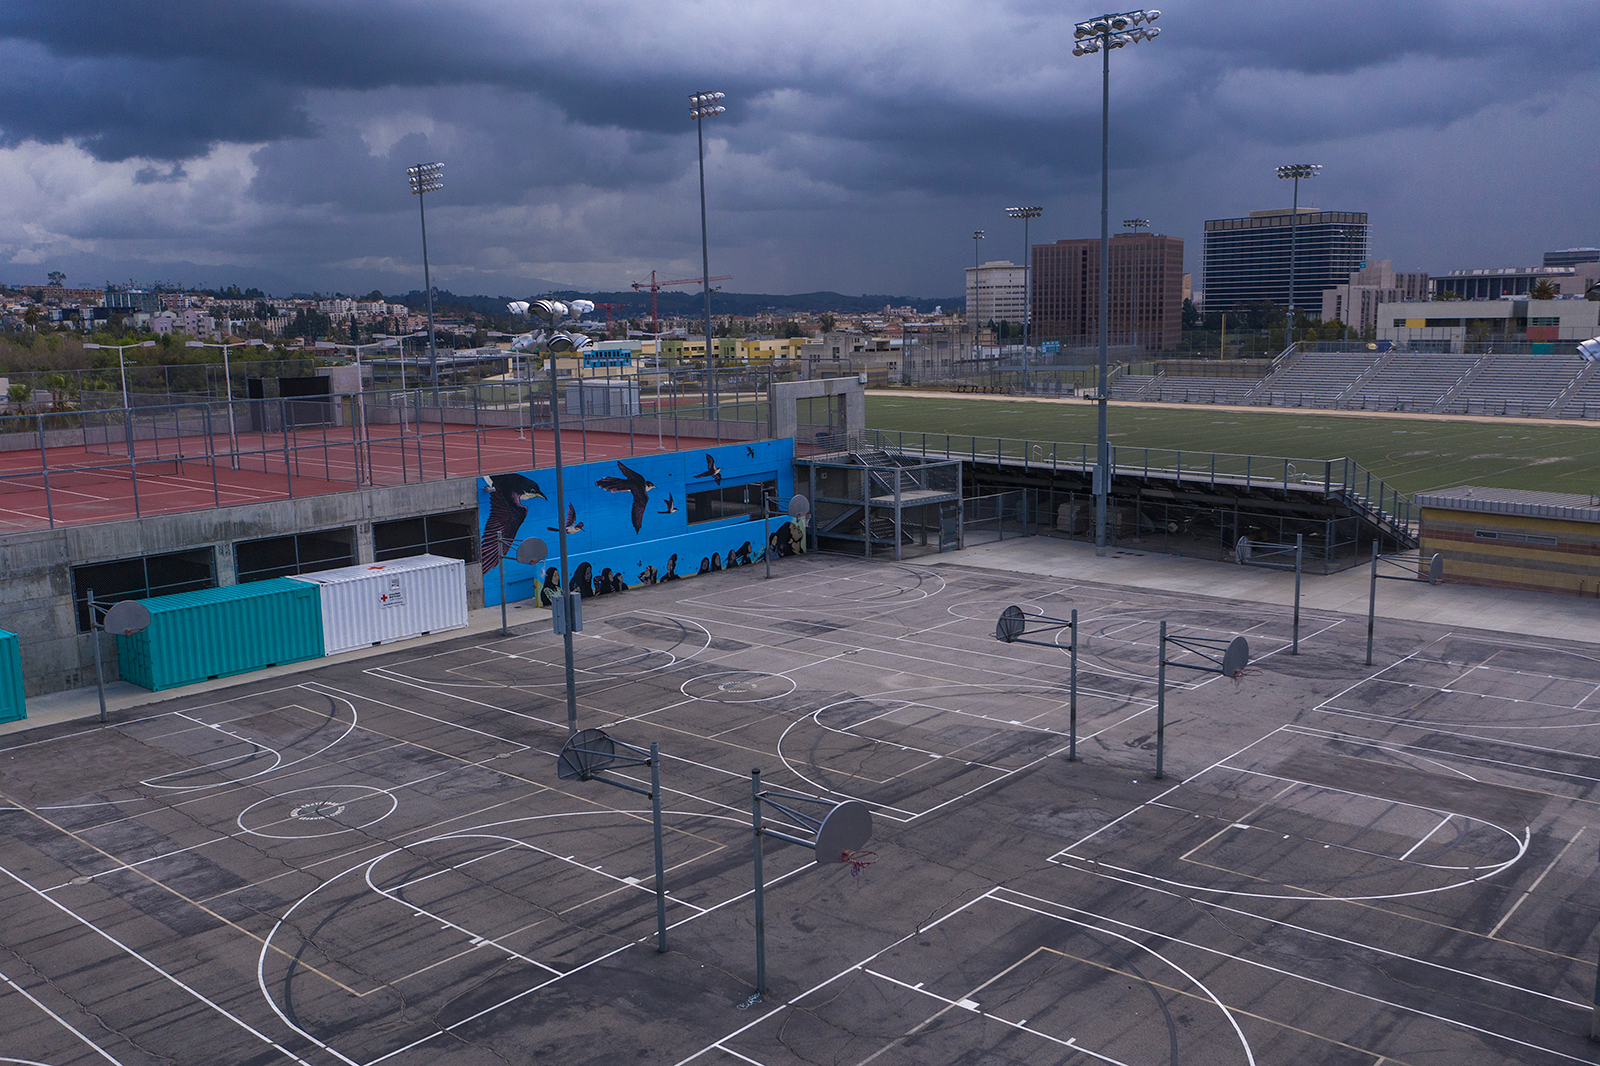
{"x":1502,"y":282}
{"x":997,"y":292}
{"x":1356,"y":303}
{"x":1512,"y":538}
{"x":1571,"y":257}
{"x":1549,"y":326}
{"x":1146,"y":269}
{"x":1247,"y":260}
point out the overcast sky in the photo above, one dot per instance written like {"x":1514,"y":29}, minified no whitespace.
{"x":266,"y":142}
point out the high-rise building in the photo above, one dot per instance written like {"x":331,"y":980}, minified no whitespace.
{"x":996,"y":292}
{"x":1145,"y":267}
{"x":1247,"y":260}
{"x":1356,"y":303}
{"x":1567,"y":257}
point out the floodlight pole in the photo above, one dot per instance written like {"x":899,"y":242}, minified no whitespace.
{"x":1027,"y":214}
{"x":1161,"y":703}
{"x":703,"y":106}
{"x":1135,"y":224}
{"x":1295,"y":171}
{"x":426,"y":178}
{"x":227,"y":379}
{"x":761,"y":916}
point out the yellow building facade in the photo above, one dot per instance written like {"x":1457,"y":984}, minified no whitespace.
{"x":1510,"y":538}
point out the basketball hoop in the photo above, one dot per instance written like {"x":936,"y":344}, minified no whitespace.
{"x":859,"y":860}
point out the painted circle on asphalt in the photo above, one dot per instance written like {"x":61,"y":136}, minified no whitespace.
{"x":308,"y":813}
{"x":737,"y":686}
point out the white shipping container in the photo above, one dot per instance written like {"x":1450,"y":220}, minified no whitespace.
{"x":381,"y":602}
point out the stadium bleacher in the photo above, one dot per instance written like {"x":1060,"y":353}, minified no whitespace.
{"x":1517,"y":384}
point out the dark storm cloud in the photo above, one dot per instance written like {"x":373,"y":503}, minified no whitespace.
{"x":568,"y":145}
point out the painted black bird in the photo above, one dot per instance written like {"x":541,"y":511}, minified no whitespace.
{"x":635,"y":483}
{"x":573,"y":525}
{"x":713,"y":471}
{"x":506,"y":514}
{"x":751,"y":452}
{"x":670,"y":508}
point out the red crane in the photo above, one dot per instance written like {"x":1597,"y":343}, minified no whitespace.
{"x":610,"y":308}
{"x":656,"y":286}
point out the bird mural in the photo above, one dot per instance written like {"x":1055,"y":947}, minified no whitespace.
{"x":635,"y":483}
{"x":573,"y":525}
{"x":670,"y":508}
{"x":712,"y":471}
{"x":506,"y":514}
{"x":751,"y":452}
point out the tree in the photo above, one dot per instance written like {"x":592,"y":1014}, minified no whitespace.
{"x":373,"y":297}
{"x":827,"y":320}
{"x":1191,"y":315}
{"x":1544,"y":289}
{"x":1444,"y":295}
{"x":57,"y":278}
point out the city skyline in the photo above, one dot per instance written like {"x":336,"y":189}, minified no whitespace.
{"x":267,"y":146}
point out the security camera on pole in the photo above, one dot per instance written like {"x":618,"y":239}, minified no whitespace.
{"x":1102,"y":34}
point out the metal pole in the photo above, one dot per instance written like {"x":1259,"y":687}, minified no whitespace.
{"x":99,"y":670}
{"x":1161,"y":703}
{"x":433,"y":354}
{"x":1299,"y":551}
{"x":705,"y":267}
{"x":766,"y":517}
{"x":1072,"y":699}
{"x":233,"y":433}
{"x":1101,"y":438}
{"x":1027,"y":300}
{"x":561,"y":539}
{"x":661,"y":882}
{"x":761,"y":917}
{"x":1372,"y":599}
{"x":1294,"y":248}
{"x":505,"y":630}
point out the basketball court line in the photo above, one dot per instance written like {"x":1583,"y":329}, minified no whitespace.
{"x":68,"y":1026}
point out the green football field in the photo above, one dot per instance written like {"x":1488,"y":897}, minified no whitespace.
{"x":1411,"y":454}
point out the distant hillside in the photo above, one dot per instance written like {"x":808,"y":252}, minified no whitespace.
{"x":680,"y":302}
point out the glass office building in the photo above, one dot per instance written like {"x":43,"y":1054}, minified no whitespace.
{"x":1247,"y":259}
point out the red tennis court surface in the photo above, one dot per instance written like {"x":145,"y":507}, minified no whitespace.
{"x":104,"y":482}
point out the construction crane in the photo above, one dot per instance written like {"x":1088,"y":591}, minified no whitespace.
{"x":608,"y":309}
{"x":655,"y":286}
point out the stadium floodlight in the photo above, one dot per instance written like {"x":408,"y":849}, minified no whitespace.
{"x":703,"y":106}
{"x":1101,"y":34}
{"x":426,"y":178}
{"x":1027,"y":214}
{"x":227,"y":378}
{"x":1136,"y":224}
{"x":1295,"y":171}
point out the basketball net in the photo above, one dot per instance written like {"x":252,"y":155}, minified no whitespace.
{"x":859,"y":860}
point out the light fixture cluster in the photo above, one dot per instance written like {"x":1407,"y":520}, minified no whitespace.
{"x":426,"y":177}
{"x":704,"y":105}
{"x":1299,"y":170}
{"x":551,"y":312}
{"x":1114,"y":31}
{"x":1024,"y":212}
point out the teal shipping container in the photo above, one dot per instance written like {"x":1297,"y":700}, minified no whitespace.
{"x":194,"y":636}
{"x":12,"y":705}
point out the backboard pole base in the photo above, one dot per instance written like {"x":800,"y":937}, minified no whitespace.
{"x":661,"y":880}
{"x":761,"y":917}
{"x":1161,"y":704}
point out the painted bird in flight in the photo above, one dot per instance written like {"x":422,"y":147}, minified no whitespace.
{"x":506,"y":514}
{"x":635,"y":483}
{"x":712,"y":471}
{"x":670,"y":508}
{"x":751,"y":452}
{"x":573,"y":525}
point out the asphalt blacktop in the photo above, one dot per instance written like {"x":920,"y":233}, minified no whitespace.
{"x":1509,"y":611}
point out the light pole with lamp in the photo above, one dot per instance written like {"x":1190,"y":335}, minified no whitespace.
{"x":426,"y":178}
{"x":122,"y":367}
{"x":359,"y":431}
{"x":227,"y":377}
{"x":1027,"y":214}
{"x":1296,"y":171}
{"x":972,"y":312}
{"x":1102,"y":34}
{"x":701,"y":107}
{"x":1136,"y":224}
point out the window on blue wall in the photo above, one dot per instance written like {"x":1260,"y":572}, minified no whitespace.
{"x":730,"y":501}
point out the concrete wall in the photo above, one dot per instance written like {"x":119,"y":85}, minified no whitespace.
{"x":37,"y":566}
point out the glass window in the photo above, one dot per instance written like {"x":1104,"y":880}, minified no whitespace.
{"x":449,"y":534}
{"x":730,"y":501}
{"x":301,"y":553}
{"x":151,"y":575}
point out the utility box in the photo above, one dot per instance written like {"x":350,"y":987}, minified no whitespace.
{"x":382,"y":602}
{"x":12,"y":703}
{"x":195,"y":636}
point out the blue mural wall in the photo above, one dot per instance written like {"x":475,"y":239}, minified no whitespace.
{"x":629,"y":520}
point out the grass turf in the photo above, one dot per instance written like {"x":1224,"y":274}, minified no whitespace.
{"x":1411,"y":454}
